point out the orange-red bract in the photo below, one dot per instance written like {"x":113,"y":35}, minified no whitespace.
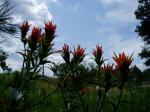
{"x":123,"y":63}
{"x":107,"y":69}
{"x":36,"y":34}
{"x":50,"y":30}
{"x":34,"y":38}
{"x":24,"y":28}
{"x":97,"y":53}
{"x":78,"y":54}
{"x":65,"y":53}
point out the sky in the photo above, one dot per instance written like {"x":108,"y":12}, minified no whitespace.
{"x":110,"y":23}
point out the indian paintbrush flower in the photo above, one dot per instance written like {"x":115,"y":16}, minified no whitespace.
{"x":65,"y":53}
{"x":97,"y":53}
{"x":123,"y":63}
{"x":107,"y":69}
{"x":24,"y":29}
{"x":50,"y":30}
{"x":34,"y":38}
{"x":78,"y":55}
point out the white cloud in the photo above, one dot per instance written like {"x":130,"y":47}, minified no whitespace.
{"x":14,"y":61}
{"x":36,"y":11}
{"x":118,"y":16}
{"x":117,"y":43}
{"x":107,"y":2}
{"x":54,"y":0}
{"x":120,"y":12}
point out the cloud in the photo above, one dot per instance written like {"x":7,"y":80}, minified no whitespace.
{"x":107,"y":2}
{"x":122,"y":43}
{"x":120,"y":16}
{"x":14,"y":61}
{"x":36,"y":11}
{"x":54,"y":0}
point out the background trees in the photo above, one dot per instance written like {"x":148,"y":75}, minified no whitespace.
{"x":143,"y":29}
{"x":7,"y":30}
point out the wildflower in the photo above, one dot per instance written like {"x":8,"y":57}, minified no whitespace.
{"x":123,"y":63}
{"x":66,"y":53}
{"x":107,"y":69}
{"x":24,"y":28}
{"x":36,"y":34}
{"x":97,"y":53}
{"x":34,"y":38}
{"x":78,"y":55}
{"x":50,"y":30}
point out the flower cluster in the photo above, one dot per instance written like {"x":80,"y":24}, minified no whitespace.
{"x":123,"y":63}
{"x":24,"y":29}
{"x":36,"y":35}
{"x":78,"y":55}
{"x":50,"y":30}
{"x":107,"y":69}
{"x":65,"y":53}
{"x":121,"y":70}
{"x":34,"y":38}
{"x":97,"y":53}
{"x":38,"y":43}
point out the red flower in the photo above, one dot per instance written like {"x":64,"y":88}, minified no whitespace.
{"x":78,"y":54}
{"x":50,"y":30}
{"x":123,"y":63}
{"x":36,"y":34}
{"x":66,"y":53}
{"x":34,"y":38}
{"x":107,"y":69}
{"x":97,"y":53}
{"x":24,"y":28}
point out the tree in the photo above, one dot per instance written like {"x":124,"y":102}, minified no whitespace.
{"x":3,"y":57}
{"x":7,"y":28}
{"x":143,"y":29}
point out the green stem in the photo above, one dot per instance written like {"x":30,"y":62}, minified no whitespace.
{"x":97,"y":103}
{"x":43,"y":70}
{"x":118,"y":103}
{"x":83,"y":106}
{"x":102,"y":102}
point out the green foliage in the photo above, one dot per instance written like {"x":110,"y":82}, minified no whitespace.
{"x":3,"y":57}
{"x":143,"y":15}
{"x":146,"y":75}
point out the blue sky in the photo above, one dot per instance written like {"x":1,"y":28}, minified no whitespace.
{"x":111,"y":23}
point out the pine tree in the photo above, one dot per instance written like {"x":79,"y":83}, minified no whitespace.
{"x":143,"y":29}
{"x":7,"y":28}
